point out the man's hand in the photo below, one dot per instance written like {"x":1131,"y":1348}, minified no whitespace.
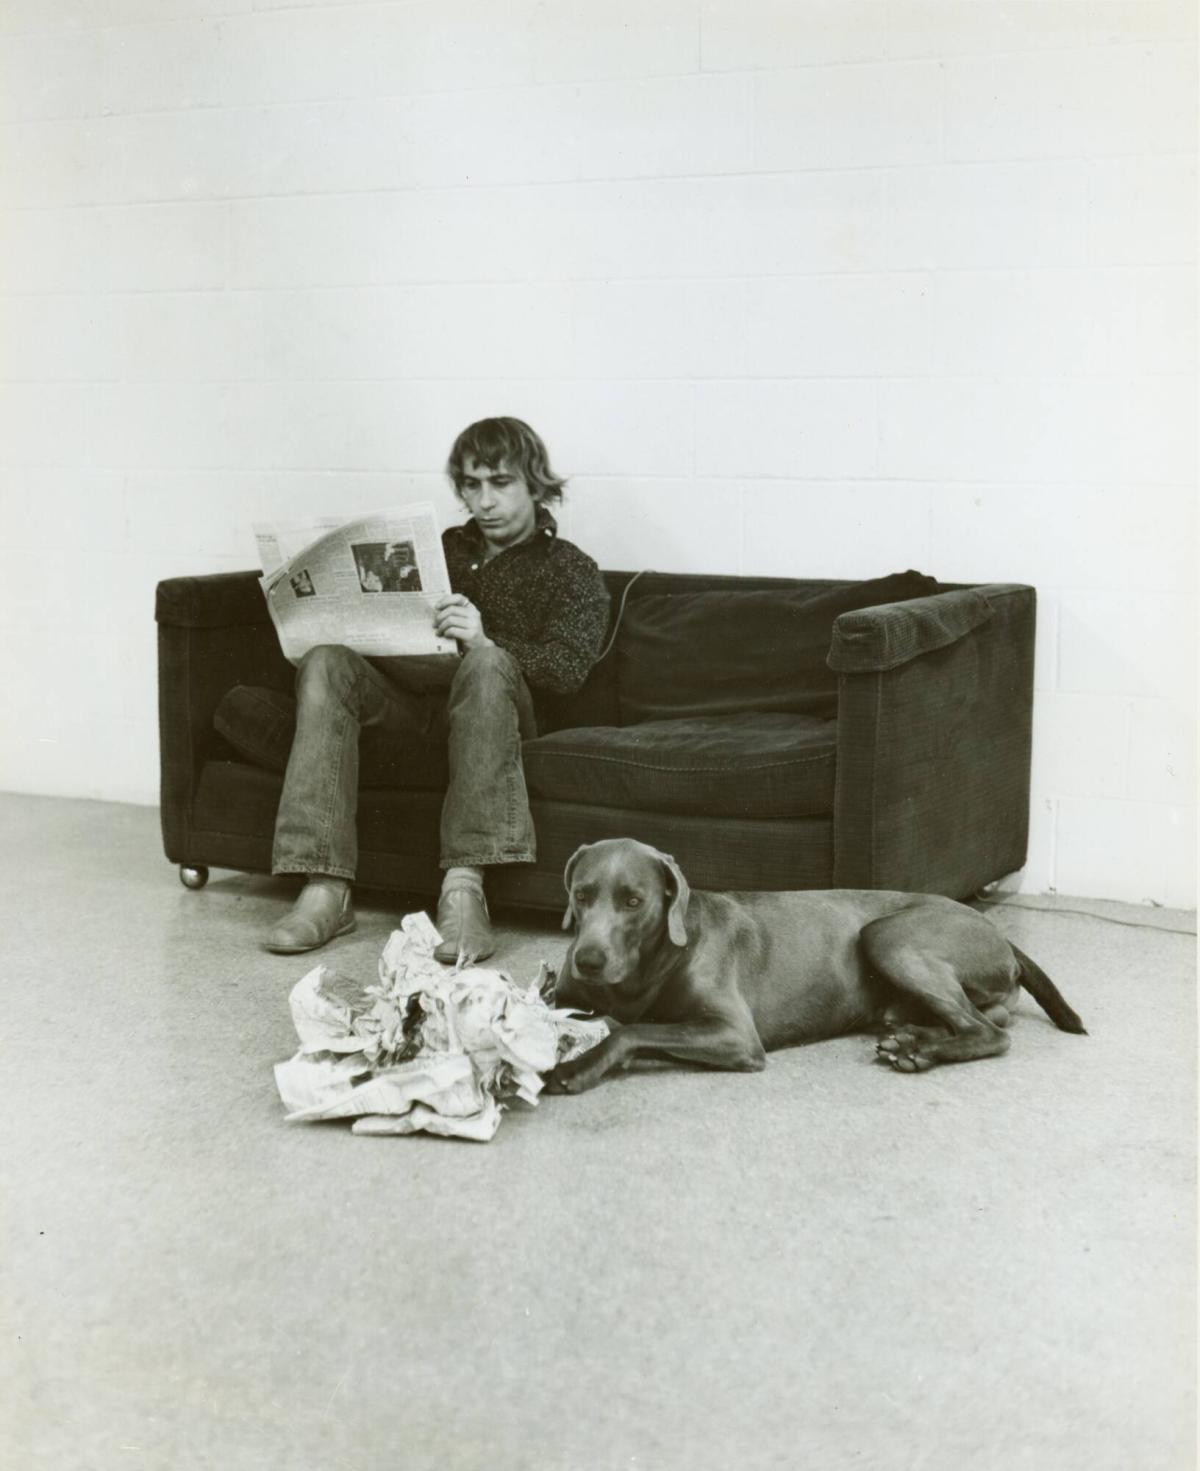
{"x":454,"y":616}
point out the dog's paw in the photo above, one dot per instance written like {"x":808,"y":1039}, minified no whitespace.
{"x":902,"y":1050}
{"x":562,"y":1081}
{"x":578,"y":1075}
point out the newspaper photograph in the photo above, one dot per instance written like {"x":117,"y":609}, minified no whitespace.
{"x":370,"y":584}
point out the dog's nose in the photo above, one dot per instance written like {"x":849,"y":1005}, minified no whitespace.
{"x":589,"y":961}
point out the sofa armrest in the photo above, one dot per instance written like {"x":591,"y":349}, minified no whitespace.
{"x":219,"y":600}
{"x":892,"y":634}
{"x":213,"y":633}
{"x":935,"y":714}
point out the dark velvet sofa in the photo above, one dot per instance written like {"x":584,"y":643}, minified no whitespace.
{"x":769,"y":733}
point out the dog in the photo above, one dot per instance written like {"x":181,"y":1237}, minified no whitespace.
{"x":723,"y":979}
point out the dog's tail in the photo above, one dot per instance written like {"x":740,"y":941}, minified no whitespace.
{"x":1047,"y":995}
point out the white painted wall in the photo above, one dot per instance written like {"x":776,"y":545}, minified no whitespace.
{"x":826,"y":287}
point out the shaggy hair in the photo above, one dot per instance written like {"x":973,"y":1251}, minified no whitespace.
{"x":511,"y":442}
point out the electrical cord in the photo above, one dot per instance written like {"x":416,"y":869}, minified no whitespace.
{"x":1129,"y":924}
{"x":612,"y":638}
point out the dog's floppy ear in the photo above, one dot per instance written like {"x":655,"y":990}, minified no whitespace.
{"x":677,"y":914}
{"x":567,"y":872}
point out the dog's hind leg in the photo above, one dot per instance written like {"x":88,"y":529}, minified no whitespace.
{"x":957,"y":976}
{"x":909,"y":1017}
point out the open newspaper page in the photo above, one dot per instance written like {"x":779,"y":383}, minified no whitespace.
{"x":370,"y":584}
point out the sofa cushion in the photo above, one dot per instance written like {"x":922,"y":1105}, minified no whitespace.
{"x":686,"y":655}
{"x":259,"y":724}
{"x":747,"y":765}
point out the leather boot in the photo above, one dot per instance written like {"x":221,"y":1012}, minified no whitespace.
{"x":319,"y":915}
{"x":462,"y":918}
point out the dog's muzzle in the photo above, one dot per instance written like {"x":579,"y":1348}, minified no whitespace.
{"x":588,"y":962}
{"x":582,"y":983}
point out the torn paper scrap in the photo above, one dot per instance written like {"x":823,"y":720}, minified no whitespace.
{"x":323,"y":1006}
{"x":423,"y":1119}
{"x":312,"y":1089}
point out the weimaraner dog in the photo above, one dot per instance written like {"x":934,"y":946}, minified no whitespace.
{"x":723,"y":979}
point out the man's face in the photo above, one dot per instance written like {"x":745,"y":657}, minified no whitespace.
{"x":500,"y":502}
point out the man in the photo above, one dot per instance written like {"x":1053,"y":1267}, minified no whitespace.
{"x":529,"y":612}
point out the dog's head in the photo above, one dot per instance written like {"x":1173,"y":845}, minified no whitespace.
{"x":626,"y":900}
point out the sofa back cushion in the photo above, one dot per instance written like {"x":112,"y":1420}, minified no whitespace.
{"x":731,"y":651}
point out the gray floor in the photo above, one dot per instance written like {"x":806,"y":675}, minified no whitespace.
{"x":989,"y":1266}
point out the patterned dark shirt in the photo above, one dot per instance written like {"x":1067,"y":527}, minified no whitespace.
{"x":543,"y":600}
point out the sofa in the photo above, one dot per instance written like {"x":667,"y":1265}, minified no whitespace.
{"x":770,"y":733}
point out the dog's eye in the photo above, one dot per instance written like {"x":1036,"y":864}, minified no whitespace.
{"x":633,"y":901}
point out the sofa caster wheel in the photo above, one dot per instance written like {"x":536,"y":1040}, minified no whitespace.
{"x":192,"y":878}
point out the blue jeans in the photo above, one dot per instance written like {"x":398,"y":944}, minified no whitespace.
{"x":482,"y":712}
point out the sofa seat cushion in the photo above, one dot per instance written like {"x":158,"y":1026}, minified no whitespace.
{"x":731,"y":766}
{"x":748,"y":765}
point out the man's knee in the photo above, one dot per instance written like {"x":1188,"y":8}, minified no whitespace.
{"x":323,"y":672}
{"x":489,"y":667}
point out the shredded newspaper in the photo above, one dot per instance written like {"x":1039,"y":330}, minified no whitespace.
{"x":427,"y":1048}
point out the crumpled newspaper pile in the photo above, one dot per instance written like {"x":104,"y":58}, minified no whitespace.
{"x":427,"y":1049}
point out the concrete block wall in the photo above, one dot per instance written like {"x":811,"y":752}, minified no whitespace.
{"x":811,"y":287}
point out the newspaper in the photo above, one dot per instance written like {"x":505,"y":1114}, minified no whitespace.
{"x":370,"y":584}
{"x":426,"y":1049}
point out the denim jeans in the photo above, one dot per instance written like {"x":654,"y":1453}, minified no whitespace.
{"x":481,"y":712}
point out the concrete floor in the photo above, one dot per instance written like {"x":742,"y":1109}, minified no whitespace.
{"x":826,"y":1264}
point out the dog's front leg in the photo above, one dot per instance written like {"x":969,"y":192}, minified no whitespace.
{"x":719,"y":1043}
{"x":590,"y":1067}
